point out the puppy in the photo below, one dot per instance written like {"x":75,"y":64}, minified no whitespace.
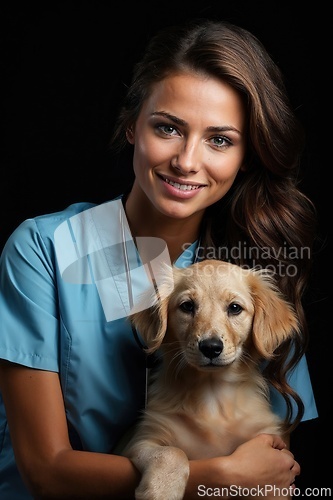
{"x":213,"y":323}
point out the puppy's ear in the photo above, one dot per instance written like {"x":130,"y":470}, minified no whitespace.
{"x":151,"y":322}
{"x":274,"y":318}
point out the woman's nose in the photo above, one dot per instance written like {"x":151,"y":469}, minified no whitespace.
{"x":187,"y":160}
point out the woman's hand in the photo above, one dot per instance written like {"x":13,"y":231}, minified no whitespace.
{"x":263,"y":465}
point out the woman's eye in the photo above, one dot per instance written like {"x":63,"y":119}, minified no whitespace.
{"x":221,"y":141}
{"x":167,"y":129}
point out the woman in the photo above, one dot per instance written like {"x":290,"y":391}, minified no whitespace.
{"x":216,"y":150}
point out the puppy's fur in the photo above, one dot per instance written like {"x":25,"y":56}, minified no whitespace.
{"x":213,"y":323}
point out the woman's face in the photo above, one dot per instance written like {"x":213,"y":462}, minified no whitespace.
{"x":189,"y":143}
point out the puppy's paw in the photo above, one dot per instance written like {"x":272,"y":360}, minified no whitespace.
{"x":166,"y":476}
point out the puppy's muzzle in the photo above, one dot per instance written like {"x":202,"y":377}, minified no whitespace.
{"x":211,"y":348}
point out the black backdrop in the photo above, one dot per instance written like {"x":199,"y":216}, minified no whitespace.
{"x":64,"y":69}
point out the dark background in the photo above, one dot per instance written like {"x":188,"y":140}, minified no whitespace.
{"x":64,"y":69}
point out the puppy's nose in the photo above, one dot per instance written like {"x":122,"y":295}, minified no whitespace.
{"x":211,"y":348}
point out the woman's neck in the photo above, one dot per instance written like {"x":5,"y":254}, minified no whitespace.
{"x":145,"y":221}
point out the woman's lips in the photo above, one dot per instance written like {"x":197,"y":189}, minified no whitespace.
{"x":181,"y":189}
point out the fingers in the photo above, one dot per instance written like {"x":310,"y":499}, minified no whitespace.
{"x":295,"y":468}
{"x":292,"y":478}
{"x":275,"y":441}
{"x":290,"y":459}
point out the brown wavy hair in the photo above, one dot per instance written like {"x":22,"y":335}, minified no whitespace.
{"x":264,"y":220}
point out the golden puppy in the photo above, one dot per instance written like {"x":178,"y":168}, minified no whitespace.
{"x":213,"y":323}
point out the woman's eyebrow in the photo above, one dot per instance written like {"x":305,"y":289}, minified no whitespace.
{"x":224,"y":128}
{"x":172,"y":118}
{"x":179,"y":121}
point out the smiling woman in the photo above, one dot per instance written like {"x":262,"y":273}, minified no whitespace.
{"x":215,"y":149}
{"x":190,"y":143}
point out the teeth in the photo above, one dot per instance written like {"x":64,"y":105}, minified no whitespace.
{"x":182,"y":187}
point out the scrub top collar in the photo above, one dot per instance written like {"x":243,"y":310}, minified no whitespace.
{"x":96,"y":247}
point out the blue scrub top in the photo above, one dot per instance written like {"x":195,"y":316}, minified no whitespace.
{"x":68,"y":281}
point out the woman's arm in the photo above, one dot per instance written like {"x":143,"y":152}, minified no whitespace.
{"x":52,"y":469}
{"x":48,"y":464}
{"x":263,"y":461}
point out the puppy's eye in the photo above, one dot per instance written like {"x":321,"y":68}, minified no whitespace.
{"x":234,"y":309}
{"x":188,"y":306}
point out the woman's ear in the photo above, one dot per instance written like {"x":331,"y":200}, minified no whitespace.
{"x":130,"y":134}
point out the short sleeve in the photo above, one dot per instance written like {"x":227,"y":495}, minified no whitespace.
{"x":28,"y":306}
